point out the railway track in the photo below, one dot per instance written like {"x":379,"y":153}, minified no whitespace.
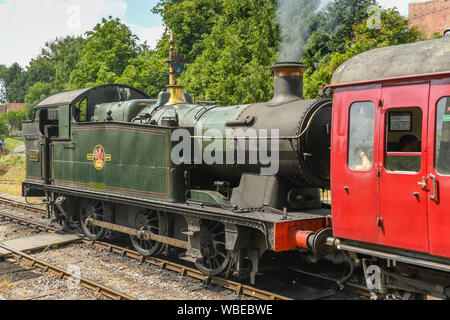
{"x":22,"y":257}
{"x":10,"y":182}
{"x":238,"y":288}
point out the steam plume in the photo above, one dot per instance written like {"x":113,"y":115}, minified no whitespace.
{"x":293,"y":18}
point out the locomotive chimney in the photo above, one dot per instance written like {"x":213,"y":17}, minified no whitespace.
{"x":288,"y":82}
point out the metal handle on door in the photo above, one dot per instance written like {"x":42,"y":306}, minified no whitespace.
{"x":423,"y":183}
{"x":434,"y":196}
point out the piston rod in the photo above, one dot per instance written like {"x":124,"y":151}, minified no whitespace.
{"x":141,"y":234}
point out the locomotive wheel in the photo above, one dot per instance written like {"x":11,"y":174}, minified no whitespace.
{"x":215,"y":257}
{"x":93,"y":209}
{"x":150,"y":221}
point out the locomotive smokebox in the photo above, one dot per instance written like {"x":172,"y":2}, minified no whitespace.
{"x":288,"y":82}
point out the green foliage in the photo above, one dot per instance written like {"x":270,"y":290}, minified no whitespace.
{"x":15,"y":118}
{"x":35,"y":94}
{"x":12,"y":121}
{"x":333,"y":26}
{"x":3,"y":125}
{"x":12,"y":143}
{"x":13,"y":83}
{"x":109,"y":49}
{"x":191,"y":22}
{"x":394,"y":30}
{"x":149,"y":72}
{"x":233,"y":67}
{"x":47,"y":73}
{"x":56,"y":61}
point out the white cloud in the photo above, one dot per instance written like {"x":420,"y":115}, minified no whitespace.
{"x":27,"y":24}
{"x":401,"y":5}
{"x":151,"y":35}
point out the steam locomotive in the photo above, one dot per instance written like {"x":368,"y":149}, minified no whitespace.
{"x":225,"y":184}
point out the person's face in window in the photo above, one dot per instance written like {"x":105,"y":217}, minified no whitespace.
{"x":412,"y":146}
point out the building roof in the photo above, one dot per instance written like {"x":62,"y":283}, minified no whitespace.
{"x":418,"y":58}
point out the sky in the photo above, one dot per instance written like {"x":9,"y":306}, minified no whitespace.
{"x":25,"y":25}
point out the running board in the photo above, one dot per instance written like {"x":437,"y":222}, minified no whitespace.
{"x":396,"y":257}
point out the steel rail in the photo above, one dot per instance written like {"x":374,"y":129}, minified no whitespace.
{"x":22,"y":205}
{"x":62,"y":275}
{"x":26,"y":223}
{"x":238,"y":288}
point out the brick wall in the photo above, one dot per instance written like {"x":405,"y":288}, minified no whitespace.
{"x":15,"y":106}
{"x":11,"y":107}
{"x":430,"y":16}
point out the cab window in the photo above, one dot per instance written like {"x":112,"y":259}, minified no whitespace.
{"x":442,"y":156}
{"x":361,"y":136}
{"x":48,"y":122}
{"x":80,"y":111}
{"x":403,"y":140}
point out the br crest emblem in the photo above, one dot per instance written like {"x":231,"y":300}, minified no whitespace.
{"x":99,"y":157}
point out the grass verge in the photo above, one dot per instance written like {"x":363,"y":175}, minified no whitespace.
{"x":12,"y":173}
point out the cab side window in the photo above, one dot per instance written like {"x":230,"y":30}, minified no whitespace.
{"x":48,"y":122}
{"x":442,"y":156}
{"x":80,"y":111}
{"x":361,"y":136}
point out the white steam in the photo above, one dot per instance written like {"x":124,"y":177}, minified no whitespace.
{"x":293,"y":17}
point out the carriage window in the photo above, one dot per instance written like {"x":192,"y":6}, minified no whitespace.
{"x":403,"y":145}
{"x":361,"y":136}
{"x":442,"y":162}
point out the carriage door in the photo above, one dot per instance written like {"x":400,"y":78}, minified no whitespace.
{"x":439,"y":171}
{"x":354,"y":155}
{"x":402,"y":220}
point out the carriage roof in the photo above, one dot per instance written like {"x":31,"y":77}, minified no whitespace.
{"x":425,"y":57}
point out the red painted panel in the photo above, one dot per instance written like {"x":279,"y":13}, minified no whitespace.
{"x":403,"y":219}
{"x":285,"y":232}
{"x":439,"y":209}
{"x":354,"y":193}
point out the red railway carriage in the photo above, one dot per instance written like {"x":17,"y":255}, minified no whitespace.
{"x":390,"y":154}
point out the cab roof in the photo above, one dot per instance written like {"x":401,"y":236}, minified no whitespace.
{"x":95,"y":95}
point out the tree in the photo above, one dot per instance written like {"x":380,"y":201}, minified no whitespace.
{"x":149,"y":72}
{"x":394,"y":31}
{"x":14,"y":120}
{"x":333,"y":26}
{"x":13,"y":80}
{"x":233,"y":67}
{"x":109,"y":48}
{"x":55,"y":62}
{"x":2,"y":86}
{"x":38,"y":92}
{"x":191,"y":22}
{"x":3,"y":125}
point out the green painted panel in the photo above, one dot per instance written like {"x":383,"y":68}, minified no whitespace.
{"x":30,"y":132}
{"x":64,"y":122}
{"x":121,"y":158}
